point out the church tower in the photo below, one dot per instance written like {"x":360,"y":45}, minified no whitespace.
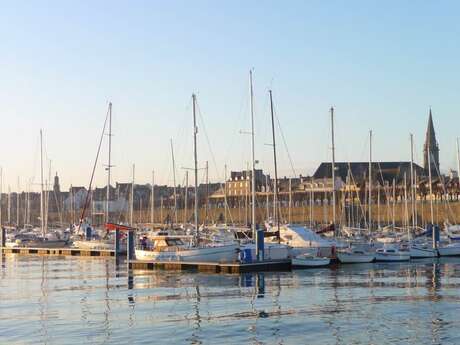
{"x":56,"y":187}
{"x":432,"y":145}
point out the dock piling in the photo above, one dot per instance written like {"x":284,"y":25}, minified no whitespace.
{"x":3,"y":239}
{"x":117,"y":242}
{"x":260,"y":245}
{"x":130,"y":244}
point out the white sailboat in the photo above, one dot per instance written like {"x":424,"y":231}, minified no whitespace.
{"x":421,"y":250}
{"x":303,"y":240}
{"x":274,"y":250}
{"x":166,"y":247}
{"x":452,"y":248}
{"x":87,"y":238}
{"x":46,"y":239}
{"x":355,"y":256}
{"x":391,"y":253}
{"x":418,"y":248}
{"x":309,"y":261}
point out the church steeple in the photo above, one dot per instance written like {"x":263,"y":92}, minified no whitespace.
{"x":431,"y":144}
{"x":56,"y":187}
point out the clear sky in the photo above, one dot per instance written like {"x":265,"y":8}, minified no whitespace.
{"x":382,"y":64}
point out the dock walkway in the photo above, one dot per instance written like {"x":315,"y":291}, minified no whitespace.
{"x":57,"y":251}
{"x":235,"y":267}
{"x":211,"y":267}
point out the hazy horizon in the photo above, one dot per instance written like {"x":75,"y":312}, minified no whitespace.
{"x":381,"y":65}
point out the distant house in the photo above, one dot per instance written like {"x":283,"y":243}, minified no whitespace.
{"x":75,"y":199}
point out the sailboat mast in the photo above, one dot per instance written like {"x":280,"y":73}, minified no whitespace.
{"x":17,"y":204}
{"x":131,"y":215}
{"x":42,"y":224}
{"x":195,"y":168}
{"x":275,"y":183}
{"x":458,"y":157}
{"x":378,"y":206}
{"x":186,"y":197}
{"x":207,"y":194}
{"x":393,"y":215}
{"x":9,"y":205}
{"x":333,"y":168}
{"x":431,"y":197}
{"x":431,"y":186}
{"x":267,"y":197}
{"x":412,"y":180}
{"x":152,"y":200}
{"x":174,"y":182}
{"x":415,"y":199}
{"x":225,"y":194}
{"x":370,"y":181}
{"x":253,"y":184}
{"x":1,"y":192}
{"x":290,"y":201}
{"x":311,"y":204}
{"x":406,"y":208}
{"x":47,"y":196}
{"x":109,"y":165}
{"x":72,"y":213}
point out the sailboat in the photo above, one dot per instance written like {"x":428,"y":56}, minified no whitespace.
{"x":419,"y":248}
{"x":87,"y":237}
{"x":274,"y":250}
{"x":391,"y":253}
{"x":166,"y":247}
{"x":46,"y":239}
{"x":355,"y":254}
{"x":453,"y":230}
{"x":309,"y":261}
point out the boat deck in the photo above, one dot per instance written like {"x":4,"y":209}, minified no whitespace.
{"x":214,"y":267}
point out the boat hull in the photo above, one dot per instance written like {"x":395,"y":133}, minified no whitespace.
{"x":94,"y":245}
{"x":353,"y":258}
{"x":420,"y":253}
{"x":46,"y":244}
{"x":310,"y":262}
{"x":226,"y":253}
{"x":391,"y":257}
{"x":449,"y":251}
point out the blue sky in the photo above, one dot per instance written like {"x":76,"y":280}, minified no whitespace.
{"x":381,"y":64}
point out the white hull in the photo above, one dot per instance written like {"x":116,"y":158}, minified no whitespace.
{"x":310,"y":262}
{"x":226,"y":253}
{"x":94,"y":245}
{"x":46,"y":244}
{"x":392,"y":257}
{"x":449,"y":250}
{"x":319,"y":251}
{"x":420,"y":253}
{"x":355,"y":258}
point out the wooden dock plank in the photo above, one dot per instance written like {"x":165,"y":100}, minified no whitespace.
{"x":210,"y":267}
{"x":57,"y":251}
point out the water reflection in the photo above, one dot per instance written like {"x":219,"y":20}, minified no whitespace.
{"x":43,"y":301}
{"x":57,"y":300}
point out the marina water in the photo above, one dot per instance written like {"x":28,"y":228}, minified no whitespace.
{"x":56,"y":300}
